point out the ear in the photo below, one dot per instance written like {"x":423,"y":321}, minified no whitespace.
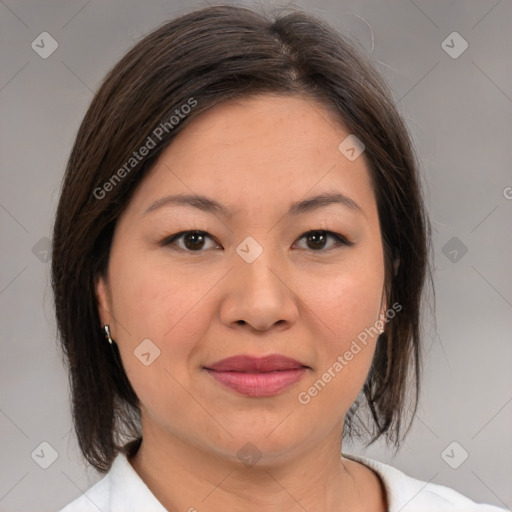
{"x":103,"y":301}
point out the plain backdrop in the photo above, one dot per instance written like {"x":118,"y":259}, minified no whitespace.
{"x":458,"y":106}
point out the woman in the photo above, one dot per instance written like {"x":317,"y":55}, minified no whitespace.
{"x":224,"y":338}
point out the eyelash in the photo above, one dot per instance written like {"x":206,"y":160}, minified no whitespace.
{"x":340,"y":240}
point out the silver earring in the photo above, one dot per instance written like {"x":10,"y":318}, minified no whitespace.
{"x":107,"y":333}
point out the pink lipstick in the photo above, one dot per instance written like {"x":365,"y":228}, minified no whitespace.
{"x":257,"y":376}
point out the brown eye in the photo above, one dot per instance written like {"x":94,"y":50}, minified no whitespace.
{"x":193,"y":241}
{"x":316,"y":240}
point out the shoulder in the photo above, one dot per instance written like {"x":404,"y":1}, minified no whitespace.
{"x":120,"y":490}
{"x":407,"y":494}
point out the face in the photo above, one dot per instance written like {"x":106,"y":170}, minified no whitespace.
{"x":261,"y":278}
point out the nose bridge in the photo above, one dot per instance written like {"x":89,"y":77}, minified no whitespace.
{"x":257,"y":263}
{"x":258,"y":294}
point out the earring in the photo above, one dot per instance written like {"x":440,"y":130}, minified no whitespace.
{"x":107,"y":333}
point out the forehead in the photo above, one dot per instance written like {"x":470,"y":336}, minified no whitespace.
{"x":259,"y":151}
{"x":269,"y":124}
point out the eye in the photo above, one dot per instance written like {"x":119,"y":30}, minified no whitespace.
{"x":318,"y":240}
{"x":193,"y":241}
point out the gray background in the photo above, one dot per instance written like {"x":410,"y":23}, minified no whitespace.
{"x":459,"y":111}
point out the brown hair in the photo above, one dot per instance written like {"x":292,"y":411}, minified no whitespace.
{"x":209,"y":56}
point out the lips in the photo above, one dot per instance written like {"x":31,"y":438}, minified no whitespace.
{"x":257,"y":377}
{"x":251,"y":364}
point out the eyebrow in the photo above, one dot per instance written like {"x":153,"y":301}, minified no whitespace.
{"x":209,"y":205}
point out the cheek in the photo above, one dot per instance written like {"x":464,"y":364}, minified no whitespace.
{"x":169,"y":307}
{"x":163,"y":306}
{"x":345,"y":303}
{"x":154,"y":299}
{"x":345,"y":308}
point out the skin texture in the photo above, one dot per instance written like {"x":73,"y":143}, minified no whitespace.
{"x":298,"y":298}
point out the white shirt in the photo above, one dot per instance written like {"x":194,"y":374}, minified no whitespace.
{"x":122,"y":490}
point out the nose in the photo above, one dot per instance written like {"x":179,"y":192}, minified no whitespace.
{"x":259,"y":295}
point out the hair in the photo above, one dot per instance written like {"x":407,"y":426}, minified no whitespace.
{"x":209,"y":56}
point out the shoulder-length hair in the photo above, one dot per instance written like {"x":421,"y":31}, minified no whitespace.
{"x":202,"y":59}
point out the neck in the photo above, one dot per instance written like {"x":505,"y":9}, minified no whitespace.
{"x":187,"y":477}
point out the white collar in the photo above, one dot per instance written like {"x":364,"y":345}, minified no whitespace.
{"x":123,"y":490}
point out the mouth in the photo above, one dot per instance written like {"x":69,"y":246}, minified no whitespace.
{"x":257,"y":377}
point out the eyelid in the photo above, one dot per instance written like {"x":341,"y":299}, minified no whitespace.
{"x":340,"y":239}
{"x":168,"y":240}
